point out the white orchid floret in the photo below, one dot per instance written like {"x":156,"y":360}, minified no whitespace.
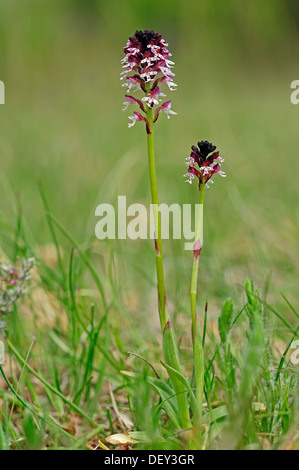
{"x":148,"y":76}
{"x":150,"y":100}
{"x":134,"y":119}
{"x":169,"y":111}
{"x":190,"y":177}
{"x":190,"y":161}
{"x":170,"y":85}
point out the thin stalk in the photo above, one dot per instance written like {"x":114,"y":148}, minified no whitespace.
{"x":196,"y":332}
{"x":170,"y":349}
{"x":157,"y":221}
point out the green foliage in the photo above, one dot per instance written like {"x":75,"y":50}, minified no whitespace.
{"x":225,"y":320}
{"x":173,"y":368}
{"x":33,"y":436}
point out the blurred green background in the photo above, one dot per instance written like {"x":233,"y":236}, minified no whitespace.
{"x":62,"y":123}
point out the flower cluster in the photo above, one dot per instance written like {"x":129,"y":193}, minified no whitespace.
{"x":12,"y":285}
{"x":147,"y":59}
{"x":207,"y":161}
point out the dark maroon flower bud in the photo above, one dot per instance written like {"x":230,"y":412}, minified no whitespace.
{"x":205,"y":148}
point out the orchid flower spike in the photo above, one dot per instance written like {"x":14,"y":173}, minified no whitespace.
{"x":146,"y":67}
{"x":203,"y":163}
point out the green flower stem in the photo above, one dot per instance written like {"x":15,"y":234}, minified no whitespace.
{"x":196,"y":332}
{"x":157,"y":220}
{"x":170,"y":349}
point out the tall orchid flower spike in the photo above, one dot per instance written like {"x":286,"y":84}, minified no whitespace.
{"x":146,"y":68}
{"x":147,"y":58}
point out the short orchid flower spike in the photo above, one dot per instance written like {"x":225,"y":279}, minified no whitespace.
{"x":146,"y":67}
{"x":203,"y":163}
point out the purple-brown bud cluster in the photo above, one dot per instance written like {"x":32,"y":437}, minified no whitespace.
{"x":203,"y":163}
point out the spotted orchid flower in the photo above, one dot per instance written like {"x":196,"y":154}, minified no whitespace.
{"x":146,"y":67}
{"x":203,"y":163}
